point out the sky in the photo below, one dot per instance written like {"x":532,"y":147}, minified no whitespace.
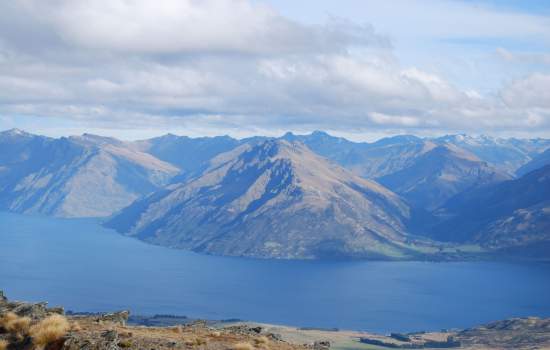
{"x":362,"y":69}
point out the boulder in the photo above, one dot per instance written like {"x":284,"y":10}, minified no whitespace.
{"x":36,"y":311}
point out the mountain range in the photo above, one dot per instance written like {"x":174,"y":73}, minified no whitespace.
{"x":296,"y":196}
{"x":274,"y":198}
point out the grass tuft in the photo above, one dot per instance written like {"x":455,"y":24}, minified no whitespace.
{"x":48,"y":330}
{"x":18,"y":326}
{"x":262,"y":340}
{"x":6,"y":318}
{"x":76,"y":327}
{"x":177,"y":329}
{"x":243,"y":346}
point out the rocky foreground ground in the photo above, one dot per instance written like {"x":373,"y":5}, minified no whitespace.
{"x":29,"y":326}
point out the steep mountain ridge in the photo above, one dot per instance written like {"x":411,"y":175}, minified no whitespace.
{"x":439,"y":174}
{"x":272,"y":199}
{"x":82,"y":176}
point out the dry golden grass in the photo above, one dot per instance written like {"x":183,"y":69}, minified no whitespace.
{"x":177,"y":329}
{"x":195,"y":342}
{"x":76,"y":327}
{"x":216,"y":334}
{"x":7,"y":317}
{"x":243,"y":346}
{"x":18,"y":326}
{"x":49,"y":330}
{"x":262,"y":340}
{"x":3,"y":344}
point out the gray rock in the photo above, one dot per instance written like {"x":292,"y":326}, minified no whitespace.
{"x":38,"y":310}
{"x":275,"y":336}
{"x":110,"y":341}
{"x":321,"y":345}
{"x":120,"y":317}
{"x":56,"y":310}
{"x":110,"y":335}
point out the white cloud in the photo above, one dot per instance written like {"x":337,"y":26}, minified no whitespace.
{"x":531,"y":92}
{"x":176,"y":26}
{"x":231,"y":64}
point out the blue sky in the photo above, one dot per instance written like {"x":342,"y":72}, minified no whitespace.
{"x":358,"y":68}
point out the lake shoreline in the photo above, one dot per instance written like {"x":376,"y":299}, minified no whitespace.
{"x":517,"y":333}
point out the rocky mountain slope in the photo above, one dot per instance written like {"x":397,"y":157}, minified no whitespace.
{"x":511,"y":215}
{"x":440,"y":174}
{"x":272,"y":199}
{"x":83,"y":176}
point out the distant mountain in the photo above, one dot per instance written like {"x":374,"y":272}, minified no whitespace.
{"x":272,"y":199}
{"x":188,"y":154}
{"x":369,"y":160}
{"x":84,"y":176}
{"x":440,"y":174}
{"x":539,"y":161}
{"x":511,"y":214}
{"x":391,"y":154}
{"x":506,"y":154}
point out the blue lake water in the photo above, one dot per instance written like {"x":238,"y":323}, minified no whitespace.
{"x":84,"y":267}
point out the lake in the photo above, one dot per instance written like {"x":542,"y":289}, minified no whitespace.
{"x":84,"y":267}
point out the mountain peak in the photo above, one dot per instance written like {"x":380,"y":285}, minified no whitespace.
{"x":320,"y":133}
{"x":96,"y":139}
{"x":272,"y":199}
{"x":397,"y":140}
{"x":15,"y":133}
{"x":289,"y":136}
